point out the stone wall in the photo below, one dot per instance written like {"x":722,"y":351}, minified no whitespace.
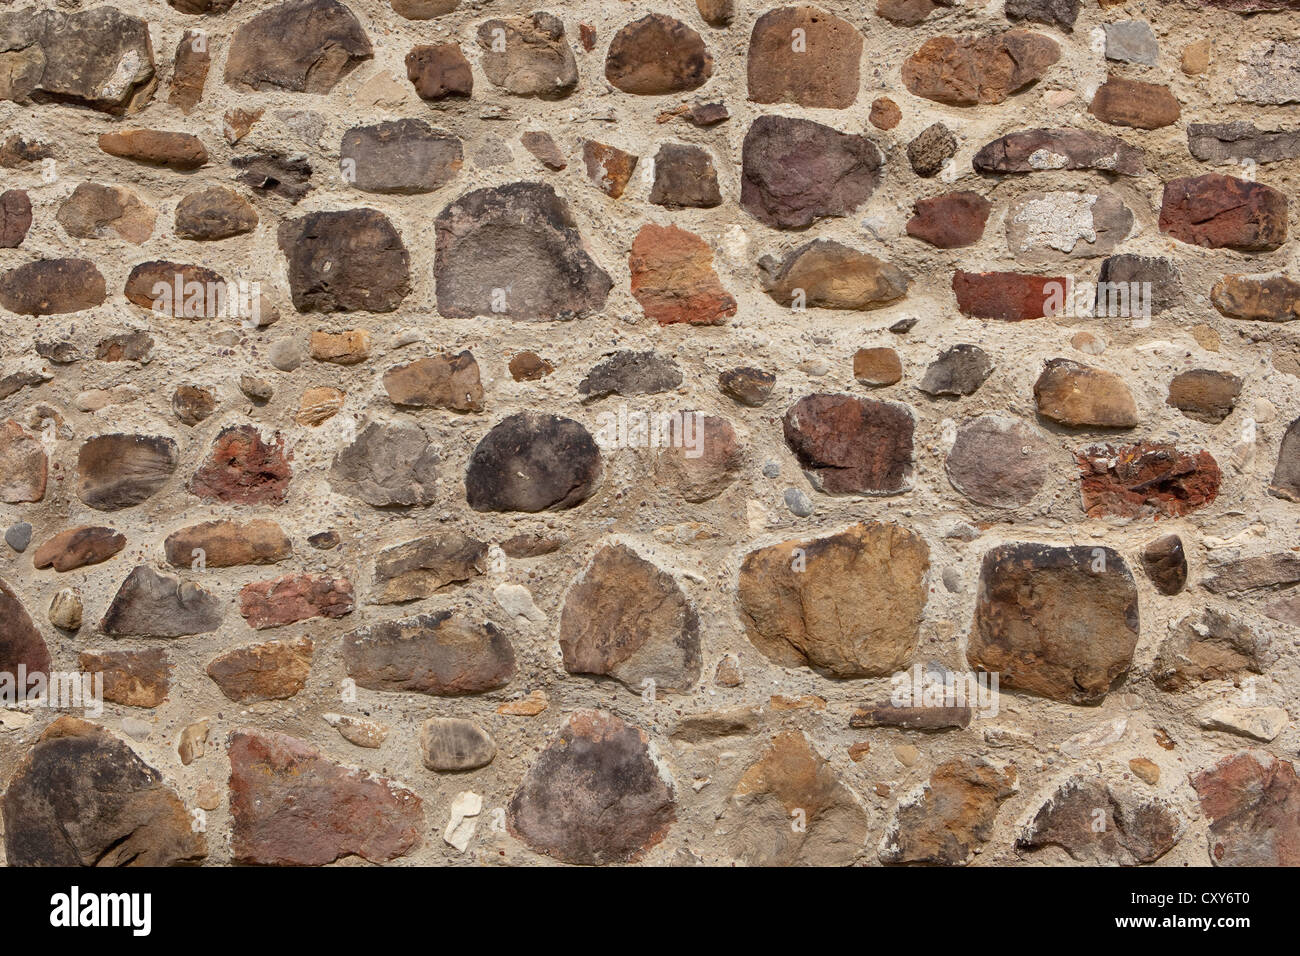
{"x":850,"y":434}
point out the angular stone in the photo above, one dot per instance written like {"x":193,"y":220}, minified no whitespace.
{"x":119,"y":471}
{"x":439,"y":71}
{"x":947,"y":819}
{"x":21,"y":644}
{"x":292,"y":806}
{"x":438,"y":381}
{"x":1210,"y":645}
{"x":217,"y":212}
{"x":795,"y":171}
{"x":302,"y":46}
{"x":544,"y":149}
{"x":1130,"y":830}
{"x":748,"y":386}
{"x":828,"y":275}
{"x":417,"y":569}
{"x":597,"y":794}
{"x":341,"y":348}
{"x":929,"y":718}
{"x":1254,"y":573}
{"x":998,"y":461}
{"x":950,"y":221}
{"x":1221,"y":212}
{"x":909,"y":13}
{"x":515,"y":251}
{"x":192,"y":61}
{"x":1132,"y":41}
{"x":528,"y":56}
{"x":1204,"y":395}
{"x":452,"y":745}
{"x":101,"y":58}
{"x":1039,"y":150}
{"x":819,"y":72}
{"x":684,"y":177}
{"x":1166,"y":564}
{"x":1286,"y":476}
{"x":657,"y":55}
{"x":125,"y":347}
{"x":155,"y":147}
{"x":227,"y":544}
{"x":294,"y":597}
{"x":19,"y":153}
{"x":79,"y":548}
{"x":1056,"y":13}
{"x":279,"y":174}
{"x":704,"y":462}
{"x":65,"y":609}
{"x":967,"y":70}
{"x":1041,"y":227}
{"x":1146,"y":479}
{"x":192,"y":404}
{"x":1124,"y":102}
{"x":24,"y":466}
{"x":1129,"y":286}
{"x":1058,"y":622}
{"x":149,"y":604}
{"x":1009,"y":296}
{"x":532,"y":544}
{"x":52,"y":287}
{"x":92,"y":210}
{"x":131,"y":678}
{"x":850,"y":445}
{"x":178,"y":290}
{"x":352,"y":260}
{"x":1257,"y":298}
{"x":443,"y":655}
{"x":275,"y":670}
{"x":400,"y":156}
{"x":631,"y":373}
{"x":673,"y":278}
{"x":1264,"y":724}
{"x":1083,"y":397}
{"x":608,"y":167}
{"x":877,"y":367}
{"x":791,"y":778}
{"x":389,"y":463}
{"x":625,"y":618}
{"x":1253,"y":803}
{"x":15,"y":217}
{"x":81,"y":797}
{"x":533,"y":462}
{"x":930,"y":151}
{"x":959,"y":370}
{"x":847,"y":605}
{"x":1239,"y":140}
{"x":242,"y":468}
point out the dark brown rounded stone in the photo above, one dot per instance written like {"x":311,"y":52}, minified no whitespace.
{"x":1124,"y":102}
{"x":657,"y":55}
{"x":352,"y":260}
{"x":850,"y":445}
{"x":1166,"y":564}
{"x":748,"y":386}
{"x":1103,"y":824}
{"x":1204,"y":395}
{"x":950,"y":221}
{"x":15,"y":217}
{"x":217,"y":212}
{"x":439,"y":71}
{"x":596,"y":794}
{"x":443,"y":654}
{"x":180,"y":290}
{"x":119,"y":471}
{"x":533,"y":462}
{"x":192,"y":404}
{"x":684,"y":177}
{"x":1222,"y":212}
{"x":885,"y":113}
{"x":303,"y":46}
{"x":21,"y":644}
{"x":52,"y":287}
{"x":400,"y":156}
{"x":529,"y":367}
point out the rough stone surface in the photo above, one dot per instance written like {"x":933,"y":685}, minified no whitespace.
{"x":443,"y":654}
{"x":850,"y":445}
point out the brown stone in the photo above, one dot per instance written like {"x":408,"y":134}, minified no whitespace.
{"x":52,"y":287}
{"x":24,"y":466}
{"x":1209,"y":645}
{"x":227,"y":544}
{"x":528,"y":56}
{"x":180,"y":151}
{"x":1041,"y":150}
{"x":292,"y":806}
{"x":673,"y":278}
{"x":684,"y":177}
{"x":929,"y":718}
{"x":406,"y":156}
{"x":1166,"y":564}
{"x":444,"y":655}
{"x":454,"y":745}
{"x":192,"y":404}
{"x":828,"y":275}
{"x":533,"y":462}
{"x":439,"y":71}
{"x":820,"y":70}
{"x":192,"y":61}
{"x":1083,"y":397}
{"x":1254,"y":573}
{"x":1058,"y":622}
{"x":792,"y":781}
{"x":276,"y":174}
{"x":217,"y":212}
{"x":1286,"y":476}
{"x":237,"y":123}
{"x":93,"y":210}
{"x":967,"y":71}
{"x":21,"y":644}
{"x":119,"y":471}
{"x":608,"y":167}
{"x":595,"y":795}
{"x":1130,"y":830}
{"x":149,"y":604}
{"x":1009,"y":296}
{"x":417,"y":569}
{"x":179,"y":290}
{"x":15,"y":217}
{"x":885,"y":113}
{"x":1257,"y":298}
{"x":850,"y":445}
{"x":275,"y":670}
{"x":625,"y":618}
{"x":847,"y":605}
{"x":998,"y":461}
{"x":81,"y":797}
{"x":1149,"y":479}
{"x":950,"y":221}
{"x":131,"y":678}
{"x":1124,"y":102}
{"x":703,"y":461}
{"x":747,"y":386}
{"x":438,"y":381}
{"x":1204,"y":395}
{"x":1221,"y":212}
{"x":347,"y":261}
{"x":302,"y":46}
{"x":1253,"y":803}
{"x":294,"y":597}
{"x":529,"y":367}
{"x":657,"y":55}
{"x":78,"y":548}
{"x":544,"y":149}
{"x":243,"y":468}
{"x":389,"y":463}
{"x":877,"y":367}
{"x":340,"y":348}
{"x":947,"y":819}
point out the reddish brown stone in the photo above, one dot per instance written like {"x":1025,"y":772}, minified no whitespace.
{"x":950,"y":221}
{"x":821,"y":72}
{"x":1101,"y":824}
{"x":1166,"y":564}
{"x":674,"y":280}
{"x":1257,"y":298}
{"x":998,"y":461}
{"x":181,"y":151}
{"x":1037,"y":150}
{"x":748,"y":386}
{"x":966,"y":71}
{"x":294,"y":597}
{"x":1224,"y":213}
{"x":1145,"y":480}
{"x":439,"y":71}
{"x":529,"y":367}
{"x":179,"y":290}
{"x":292,"y":806}
{"x":850,"y":445}
{"x":79,"y":547}
{"x":1253,"y":802}
{"x":657,"y":55}
{"x":24,"y":466}
{"x":227,"y":544}
{"x":131,"y":678}
{"x":885,"y":113}
{"x":21,"y":644}
{"x":438,"y":381}
{"x":192,"y":61}
{"x":1009,"y":296}
{"x":830,"y":275}
{"x":950,"y":817}
{"x":275,"y":670}
{"x":444,"y":655}
{"x":243,"y":469}
{"x":877,"y":367}
{"x":1124,"y":102}
{"x":52,"y":287}
{"x":608,"y":167}
{"x":15,"y":217}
